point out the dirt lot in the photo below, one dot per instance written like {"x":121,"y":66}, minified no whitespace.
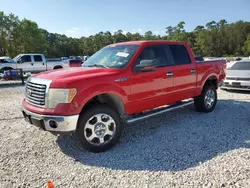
{"x":182,"y":148}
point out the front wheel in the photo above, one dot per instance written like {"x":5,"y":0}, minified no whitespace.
{"x":99,"y":128}
{"x":206,"y":102}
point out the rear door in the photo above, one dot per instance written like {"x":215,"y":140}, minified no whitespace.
{"x":150,"y":89}
{"x":184,"y":72}
{"x":39,"y":65}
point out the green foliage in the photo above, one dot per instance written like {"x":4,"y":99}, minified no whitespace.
{"x":246,"y":47}
{"x":213,"y":39}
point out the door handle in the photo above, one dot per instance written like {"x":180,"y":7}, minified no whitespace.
{"x":192,"y":71}
{"x":32,"y":64}
{"x":43,"y":63}
{"x":169,"y":74}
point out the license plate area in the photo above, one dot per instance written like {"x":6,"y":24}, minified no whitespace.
{"x":27,"y":118}
{"x":236,"y":84}
{"x":34,"y":121}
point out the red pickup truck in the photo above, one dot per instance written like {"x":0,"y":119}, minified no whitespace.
{"x":123,"y":82}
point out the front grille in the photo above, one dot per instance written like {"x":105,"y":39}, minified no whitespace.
{"x":35,"y":93}
{"x":237,"y":79}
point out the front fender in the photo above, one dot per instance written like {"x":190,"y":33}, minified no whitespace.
{"x":86,"y":94}
{"x":7,"y":65}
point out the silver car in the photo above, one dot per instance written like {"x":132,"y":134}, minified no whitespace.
{"x":238,"y":76}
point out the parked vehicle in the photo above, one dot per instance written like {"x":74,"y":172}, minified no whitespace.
{"x":199,"y":58}
{"x":75,"y":62}
{"x":238,"y":76}
{"x":121,"y":83}
{"x":238,"y":58}
{"x":33,"y":63}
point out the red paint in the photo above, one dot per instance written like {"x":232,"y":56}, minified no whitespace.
{"x":141,"y":91}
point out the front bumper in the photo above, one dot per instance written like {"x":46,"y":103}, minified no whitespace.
{"x":55,"y":124}
{"x":235,"y":85}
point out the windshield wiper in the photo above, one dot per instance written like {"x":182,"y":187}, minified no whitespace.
{"x":97,"y":65}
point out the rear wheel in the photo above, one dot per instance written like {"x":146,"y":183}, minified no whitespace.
{"x":206,"y":102}
{"x":99,"y":128}
{"x":58,"y":67}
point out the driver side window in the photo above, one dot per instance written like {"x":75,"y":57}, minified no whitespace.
{"x":155,"y":53}
{"x":26,"y":59}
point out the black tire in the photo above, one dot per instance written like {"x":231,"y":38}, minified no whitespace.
{"x":86,"y":116}
{"x":199,"y":101}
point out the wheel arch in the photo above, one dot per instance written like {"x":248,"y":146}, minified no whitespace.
{"x":211,"y":80}
{"x":57,"y":67}
{"x":7,"y":68}
{"x":110,"y":99}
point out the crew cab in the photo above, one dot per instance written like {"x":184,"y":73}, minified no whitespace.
{"x":119,"y":84}
{"x":32,"y":63}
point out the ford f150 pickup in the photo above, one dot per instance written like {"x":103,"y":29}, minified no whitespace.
{"x":121,"y":83}
{"x":36,"y":63}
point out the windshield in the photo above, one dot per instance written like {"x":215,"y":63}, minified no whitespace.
{"x":116,"y":56}
{"x":242,"y":65}
{"x":16,"y":58}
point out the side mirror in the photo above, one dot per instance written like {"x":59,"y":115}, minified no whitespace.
{"x":145,"y":66}
{"x":19,"y":61}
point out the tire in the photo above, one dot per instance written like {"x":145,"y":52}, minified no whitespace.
{"x":94,"y":133}
{"x":202,"y":104}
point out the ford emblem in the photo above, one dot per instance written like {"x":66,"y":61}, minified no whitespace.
{"x":29,"y":92}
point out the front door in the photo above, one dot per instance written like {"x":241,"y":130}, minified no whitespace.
{"x":150,"y":89}
{"x":25,"y":63}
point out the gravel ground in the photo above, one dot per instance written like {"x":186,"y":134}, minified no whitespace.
{"x":182,"y":148}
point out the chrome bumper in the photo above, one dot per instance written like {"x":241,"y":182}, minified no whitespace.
{"x":235,"y":88}
{"x":56,"y":124}
{"x":235,"y":85}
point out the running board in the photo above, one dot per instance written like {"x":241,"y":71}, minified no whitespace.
{"x":160,"y":110}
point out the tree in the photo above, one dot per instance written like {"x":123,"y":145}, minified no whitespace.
{"x":246,"y":47}
{"x":214,"y":39}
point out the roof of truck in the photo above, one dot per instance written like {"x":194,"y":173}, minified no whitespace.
{"x":148,"y":42}
{"x":31,"y":54}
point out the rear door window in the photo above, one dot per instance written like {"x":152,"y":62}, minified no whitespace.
{"x":38,"y":58}
{"x":180,"y":54}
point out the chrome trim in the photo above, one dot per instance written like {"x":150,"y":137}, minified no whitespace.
{"x":235,"y":88}
{"x":64,"y":123}
{"x":159,"y":112}
{"x":121,"y":79}
{"x":169,"y":74}
{"x":43,"y":82}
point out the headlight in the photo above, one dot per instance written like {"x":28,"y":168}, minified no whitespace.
{"x":59,"y":96}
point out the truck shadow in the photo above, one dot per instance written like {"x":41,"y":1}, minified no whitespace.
{"x":173,"y":141}
{"x":7,"y":84}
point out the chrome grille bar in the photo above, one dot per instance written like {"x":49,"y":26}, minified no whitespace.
{"x":35,"y":93}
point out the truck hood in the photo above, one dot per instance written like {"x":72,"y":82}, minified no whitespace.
{"x":75,"y":72}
